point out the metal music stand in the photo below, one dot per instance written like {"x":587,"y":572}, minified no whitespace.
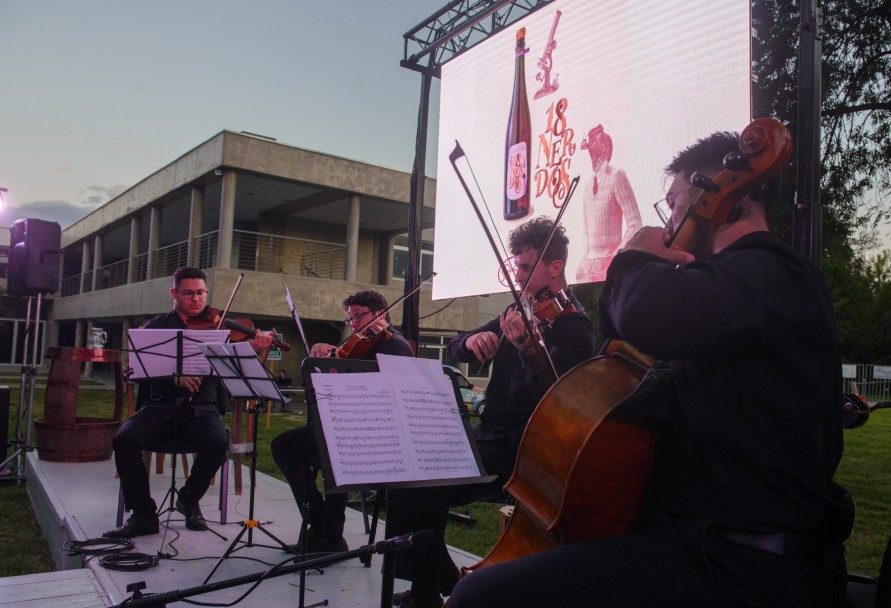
{"x":166,"y":353}
{"x":245,"y":377}
{"x":381,"y":483}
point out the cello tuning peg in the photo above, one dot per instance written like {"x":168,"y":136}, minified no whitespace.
{"x":703,"y":182}
{"x":736,"y":161}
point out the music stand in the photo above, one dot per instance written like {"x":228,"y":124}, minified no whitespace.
{"x":170,"y":353}
{"x":440,"y":395}
{"x":245,"y":377}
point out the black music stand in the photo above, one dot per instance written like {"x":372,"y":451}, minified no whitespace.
{"x":245,"y":377}
{"x":440,"y":394}
{"x":166,"y":353}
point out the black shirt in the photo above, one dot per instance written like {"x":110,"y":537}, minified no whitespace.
{"x":516,"y":386}
{"x":755,"y":435}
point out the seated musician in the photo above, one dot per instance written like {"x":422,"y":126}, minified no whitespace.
{"x":515,"y":388}
{"x":295,"y":451}
{"x":188,"y":410}
{"x":741,"y":508}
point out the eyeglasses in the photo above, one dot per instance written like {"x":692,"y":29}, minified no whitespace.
{"x":664,"y":206}
{"x":198,"y":293}
{"x":357,"y":317}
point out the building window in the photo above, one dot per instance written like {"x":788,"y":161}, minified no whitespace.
{"x":12,"y":342}
{"x":400,"y":258}
{"x":437,"y":347}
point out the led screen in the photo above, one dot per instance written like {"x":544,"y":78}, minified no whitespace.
{"x":619,"y":87}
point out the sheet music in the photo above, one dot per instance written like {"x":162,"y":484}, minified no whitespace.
{"x":383,"y":428}
{"x":153,"y":351}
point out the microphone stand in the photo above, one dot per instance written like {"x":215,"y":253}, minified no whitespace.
{"x":162,"y":599}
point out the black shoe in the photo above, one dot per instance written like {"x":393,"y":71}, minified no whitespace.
{"x":407,"y":600}
{"x":137,"y":525}
{"x":192,"y":512}
{"x":313,"y":538}
{"x":332,"y":545}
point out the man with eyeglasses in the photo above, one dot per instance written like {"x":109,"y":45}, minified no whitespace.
{"x":296,"y":452}
{"x":188,"y":408}
{"x":741,"y":509}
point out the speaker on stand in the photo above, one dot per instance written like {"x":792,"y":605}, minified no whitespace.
{"x":34,"y":260}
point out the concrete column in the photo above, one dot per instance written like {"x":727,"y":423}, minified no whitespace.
{"x":227,"y":220}
{"x":352,"y":238}
{"x":98,"y":241}
{"x":86,"y":263}
{"x":154,"y":241}
{"x":88,"y":365}
{"x":125,"y":327}
{"x":196,"y":219}
{"x":135,"y":234}
{"x":79,"y":335}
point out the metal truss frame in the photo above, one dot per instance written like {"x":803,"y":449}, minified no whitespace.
{"x":458,"y":27}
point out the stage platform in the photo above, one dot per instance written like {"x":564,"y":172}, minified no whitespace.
{"x":78,"y":501}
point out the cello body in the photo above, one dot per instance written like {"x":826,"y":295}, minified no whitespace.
{"x":581,"y":470}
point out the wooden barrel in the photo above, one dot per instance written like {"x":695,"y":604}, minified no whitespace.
{"x":62,"y":435}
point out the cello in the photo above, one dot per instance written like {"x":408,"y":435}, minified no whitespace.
{"x":583,"y":461}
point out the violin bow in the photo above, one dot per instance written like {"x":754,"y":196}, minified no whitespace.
{"x":401,"y":298}
{"x":225,"y":311}
{"x":546,"y":364}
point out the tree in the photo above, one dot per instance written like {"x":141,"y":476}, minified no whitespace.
{"x":855,"y":181}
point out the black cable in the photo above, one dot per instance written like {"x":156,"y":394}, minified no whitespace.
{"x":440,"y":310}
{"x":129,"y":562}
{"x":97,"y":546}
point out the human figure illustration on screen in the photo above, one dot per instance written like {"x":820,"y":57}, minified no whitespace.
{"x":608,"y":203}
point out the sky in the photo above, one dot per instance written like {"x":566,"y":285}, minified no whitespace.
{"x":99,"y":94}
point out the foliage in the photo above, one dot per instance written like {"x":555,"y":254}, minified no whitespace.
{"x":855,"y":151}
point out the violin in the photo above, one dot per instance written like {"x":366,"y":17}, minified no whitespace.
{"x":361,"y":343}
{"x":240,"y":329}
{"x":551,"y":306}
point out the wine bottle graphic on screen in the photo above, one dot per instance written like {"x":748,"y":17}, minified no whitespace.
{"x":518,"y":142}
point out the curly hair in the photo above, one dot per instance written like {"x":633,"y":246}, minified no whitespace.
{"x":371,"y":300}
{"x":534,"y":234}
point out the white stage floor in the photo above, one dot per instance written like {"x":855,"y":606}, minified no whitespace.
{"x":78,"y":501}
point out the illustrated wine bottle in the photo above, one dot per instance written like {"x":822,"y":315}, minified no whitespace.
{"x":519,"y":136}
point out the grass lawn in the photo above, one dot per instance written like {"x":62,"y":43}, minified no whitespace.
{"x":865,"y":471}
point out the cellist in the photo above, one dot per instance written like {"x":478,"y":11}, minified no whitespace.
{"x":741,"y":509}
{"x":515,"y":388}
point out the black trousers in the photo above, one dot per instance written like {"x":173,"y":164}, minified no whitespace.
{"x":428,"y":509}
{"x":294,"y":452}
{"x":145,"y":429}
{"x":664,"y":564}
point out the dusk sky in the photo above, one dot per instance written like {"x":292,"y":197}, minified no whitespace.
{"x":99,"y":94}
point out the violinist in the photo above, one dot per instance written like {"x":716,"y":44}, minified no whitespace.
{"x":372,"y":334}
{"x":189,"y":408}
{"x":741,"y":508}
{"x":515,"y":388}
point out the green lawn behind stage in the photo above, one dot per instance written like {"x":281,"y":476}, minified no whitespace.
{"x":865,"y":471}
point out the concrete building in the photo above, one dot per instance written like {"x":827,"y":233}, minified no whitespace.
{"x":243,"y":203}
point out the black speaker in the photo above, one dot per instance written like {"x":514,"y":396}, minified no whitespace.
{"x":34,"y":257}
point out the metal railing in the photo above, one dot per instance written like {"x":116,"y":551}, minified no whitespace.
{"x":251,"y":251}
{"x":112,"y":275}
{"x":873,"y":382}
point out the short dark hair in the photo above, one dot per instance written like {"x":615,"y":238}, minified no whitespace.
{"x":707,"y":155}
{"x":371,"y":300}
{"x":187,"y":272}
{"x":534,"y":234}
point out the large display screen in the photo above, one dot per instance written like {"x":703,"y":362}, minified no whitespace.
{"x":606,"y":91}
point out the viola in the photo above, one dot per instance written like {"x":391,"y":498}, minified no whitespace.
{"x":582,"y":465}
{"x":240,"y":329}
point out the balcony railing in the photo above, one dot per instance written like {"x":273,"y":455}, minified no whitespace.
{"x":251,"y":251}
